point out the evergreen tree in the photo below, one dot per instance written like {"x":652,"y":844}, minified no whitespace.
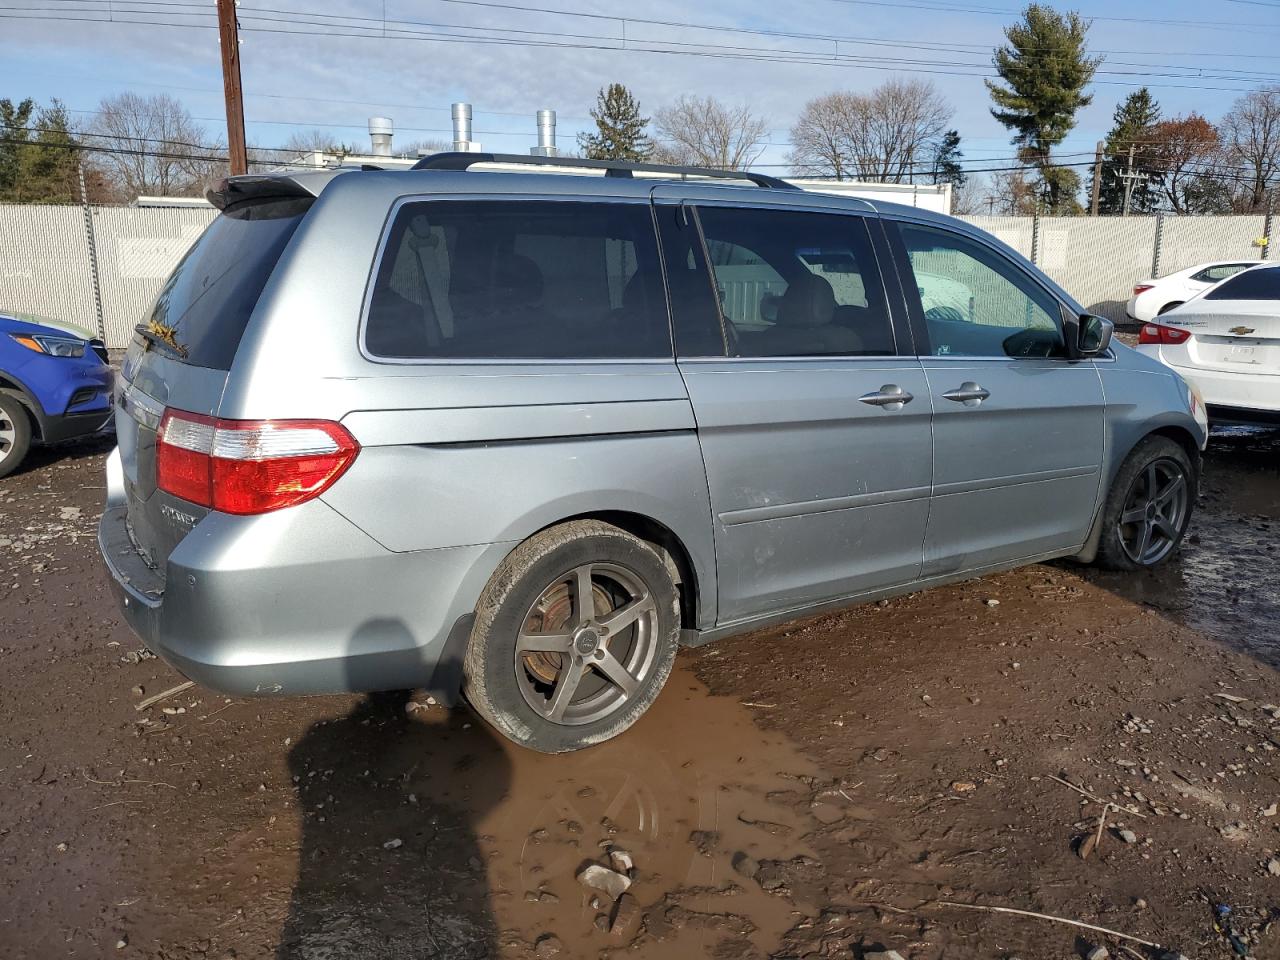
{"x":38,"y":154}
{"x":1131,"y":124}
{"x":1045,"y":68}
{"x":15,"y":132}
{"x":946,"y":160}
{"x":620,"y":130}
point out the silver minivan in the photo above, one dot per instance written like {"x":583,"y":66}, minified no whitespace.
{"x":515,"y":431}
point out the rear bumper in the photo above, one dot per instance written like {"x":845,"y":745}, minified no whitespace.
{"x":299,"y":604}
{"x":1231,"y":396}
{"x":1243,"y":415}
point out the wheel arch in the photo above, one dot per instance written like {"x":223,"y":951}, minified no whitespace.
{"x":1179,"y":435}
{"x":14,"y":388}
{"x":673,"y":549}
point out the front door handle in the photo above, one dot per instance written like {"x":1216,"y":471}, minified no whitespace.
{"x":969,"y":393}
{"x":889,"y":397}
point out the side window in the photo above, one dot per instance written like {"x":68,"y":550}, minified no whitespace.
{"x":1219,"y":271}
{"x":978,"y":304}
{"x":793,"y":283}
{"x":518,"y":280}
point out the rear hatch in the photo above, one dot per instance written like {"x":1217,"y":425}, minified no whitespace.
{"x":180,"y":355}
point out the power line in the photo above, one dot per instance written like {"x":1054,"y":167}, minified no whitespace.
{"x":717,"y":51}
{"x":210,"y":156}
{"x":1232,"y":26}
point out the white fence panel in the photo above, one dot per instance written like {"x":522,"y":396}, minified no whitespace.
{"x":1187,"y":241}
{"x":138,"y":247}
{"x":1097,"y":260}
{"x":44,"y":264}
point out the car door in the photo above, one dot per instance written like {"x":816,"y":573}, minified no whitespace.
{"x":814,"y":427}
{"x":1017,"y":427}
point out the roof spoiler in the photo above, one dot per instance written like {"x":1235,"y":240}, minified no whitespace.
{"x":232,"y":190}
{"x":611,"y":168}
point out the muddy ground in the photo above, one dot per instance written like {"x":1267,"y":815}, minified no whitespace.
{"x":823,"y":789}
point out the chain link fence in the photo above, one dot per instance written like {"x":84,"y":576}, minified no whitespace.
{"x":101,"y":267}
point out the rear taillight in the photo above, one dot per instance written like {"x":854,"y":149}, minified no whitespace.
{"x":249,"y":466}
{"x":1159,"y":333}
{"x":1142,"y":288}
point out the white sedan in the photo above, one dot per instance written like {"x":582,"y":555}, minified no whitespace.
{"x":1154,"y":297}
{"x":1226,"y":344}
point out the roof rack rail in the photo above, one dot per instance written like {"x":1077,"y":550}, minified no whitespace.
{"x":611,"y":168}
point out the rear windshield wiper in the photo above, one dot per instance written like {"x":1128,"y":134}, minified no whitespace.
{"x":156,"y":340}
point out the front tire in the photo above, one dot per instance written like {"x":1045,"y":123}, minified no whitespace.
{"x":574,"y":637}
{"x":15,"y":434}
{"x":1149,"y":506}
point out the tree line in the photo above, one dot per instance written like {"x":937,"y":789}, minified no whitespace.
{"x":900,"y":131}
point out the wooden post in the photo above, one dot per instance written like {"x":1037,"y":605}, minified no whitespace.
{"x":229,"y":40}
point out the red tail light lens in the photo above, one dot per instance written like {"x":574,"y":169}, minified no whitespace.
{"x":1159,"y":333}
{"x":249,"y":466}
{"x":1142,"y":288}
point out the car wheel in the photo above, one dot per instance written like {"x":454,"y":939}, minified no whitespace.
{"x":575,"y":635}
{"x":1149,"y":506}
{"x":1167,"y":307}
{"x":15,"y":434}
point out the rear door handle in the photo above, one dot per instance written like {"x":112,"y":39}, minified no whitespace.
{"x":969,"y":393}
{"x":889,"y":397}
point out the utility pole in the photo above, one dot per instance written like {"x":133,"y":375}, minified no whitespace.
{"x":229,"y":39}
{"x":1097,"y":181}
{"x":1130,"y":178}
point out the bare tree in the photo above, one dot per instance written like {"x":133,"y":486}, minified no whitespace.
{"x":886,"y":135}
{"x":308,"y":141}
{"x":1251,"y":135}
{"x":966,"y":198}
{"x":1010,"y":192}
{"x":705,"y":132}
{"x":154,"y":146}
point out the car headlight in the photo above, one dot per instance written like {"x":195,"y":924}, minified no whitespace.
{"x":53,"y":346}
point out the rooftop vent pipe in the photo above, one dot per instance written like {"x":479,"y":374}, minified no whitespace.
{"x":462,"y":141}
{"x":380,"y":132}
{"x":546,"y":135}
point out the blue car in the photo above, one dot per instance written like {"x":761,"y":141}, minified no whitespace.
{"x":54,"y":385}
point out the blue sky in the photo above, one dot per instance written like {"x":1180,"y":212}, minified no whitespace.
{"x":295,"y":82}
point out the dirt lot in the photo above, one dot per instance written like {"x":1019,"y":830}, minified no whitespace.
{"x":823,"y":789}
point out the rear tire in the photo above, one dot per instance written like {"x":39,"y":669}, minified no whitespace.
{"x":1169,"y":306}
{"x":553,"y":674}
{"x":1149,"y":506}
{"x":15,"y":434}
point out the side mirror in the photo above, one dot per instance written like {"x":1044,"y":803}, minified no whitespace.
{"x":1093,"y":335}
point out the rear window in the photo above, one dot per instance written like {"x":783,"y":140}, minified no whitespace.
{"x":1256,"y":284}
{"x":518,"y":280}
{"x":203,"y":309}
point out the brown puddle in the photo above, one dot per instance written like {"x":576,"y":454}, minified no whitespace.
{"x":492,"y":836}
{"x":1225,"y":581}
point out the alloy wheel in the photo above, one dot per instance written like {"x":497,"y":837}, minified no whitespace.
{"x":8,"y":436}
{"x":587,"y":644}
{"x":1155,"y":512}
